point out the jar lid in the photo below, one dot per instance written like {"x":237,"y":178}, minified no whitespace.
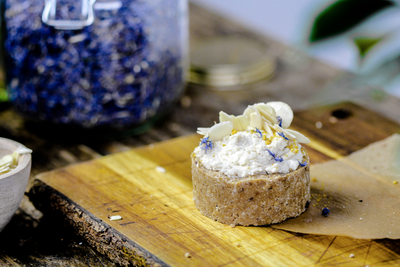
{"x":229,"y":60}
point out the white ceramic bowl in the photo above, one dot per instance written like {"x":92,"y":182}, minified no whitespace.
{"x":13,"y":183}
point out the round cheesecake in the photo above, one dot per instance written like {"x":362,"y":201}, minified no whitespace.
{"x":253,"y":200}
{"x":251,"y":169}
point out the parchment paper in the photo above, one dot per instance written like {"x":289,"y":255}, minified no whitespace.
{"x":362,"y":192}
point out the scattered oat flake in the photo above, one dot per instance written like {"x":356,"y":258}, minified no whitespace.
{"x":163,"y":212}
{"x":351,"y":255}
{"x":187,"y":255}
{"x":333,"y":120}
{"x":318,"y":124}
{"x":160,"y":169}
{"x":115,"y":218}
{"x":361,"y":219}
{"x":175,"y":127}
{"x":186,"y":101}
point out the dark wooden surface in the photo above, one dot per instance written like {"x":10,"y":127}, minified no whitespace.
{"x":34,"y":239}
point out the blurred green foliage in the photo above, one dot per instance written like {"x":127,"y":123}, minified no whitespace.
{"x":343,"y":15}
{"x":3,"y":95}
{"x":364,"y":44}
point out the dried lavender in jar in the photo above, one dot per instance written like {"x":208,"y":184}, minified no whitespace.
{"x":121,"y":71}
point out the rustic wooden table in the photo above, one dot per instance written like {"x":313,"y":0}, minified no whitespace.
{"x":37,"y":239}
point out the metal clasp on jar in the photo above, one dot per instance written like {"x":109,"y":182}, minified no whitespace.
{"x":87,"y":14}
{"x":49,"y":16}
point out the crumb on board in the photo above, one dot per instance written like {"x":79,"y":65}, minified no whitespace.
{"x":187,"y":255}
{"x":395,"y":182}
{"x":186,"y":101}
{"x":351,"y":255}
{"x":333,"y":119}
{"x":361,"y":219}
{"x":115,"y":218}
{"x":238,"y":245}
{"x":160,"y":169}
{"x":163,"y":212}
{"x":314,"y":179}
{"x":318,"y":124}
{"x":174,"y":127}
{"x":232,"y":225}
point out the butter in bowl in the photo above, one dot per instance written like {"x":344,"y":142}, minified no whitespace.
{"x":15,"y":168}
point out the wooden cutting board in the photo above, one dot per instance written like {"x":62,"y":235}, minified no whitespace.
{"x":160,"y":224}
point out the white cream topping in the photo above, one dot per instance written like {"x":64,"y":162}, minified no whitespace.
{"x":257,"y":142}
{"x":246,"y":153}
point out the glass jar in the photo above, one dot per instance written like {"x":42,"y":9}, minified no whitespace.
{"x":105,"y":64}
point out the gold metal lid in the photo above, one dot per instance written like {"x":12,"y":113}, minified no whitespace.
{"x":229,"y":60}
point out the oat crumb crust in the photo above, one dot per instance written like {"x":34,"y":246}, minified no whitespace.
{"x":255,"y":200}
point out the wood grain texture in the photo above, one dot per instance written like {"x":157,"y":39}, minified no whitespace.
{"x":160,"y":223}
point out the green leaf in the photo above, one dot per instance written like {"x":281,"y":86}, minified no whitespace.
{"x":364,"y":44}
{"x":3,"y":95}
{"x":343,"y":15}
